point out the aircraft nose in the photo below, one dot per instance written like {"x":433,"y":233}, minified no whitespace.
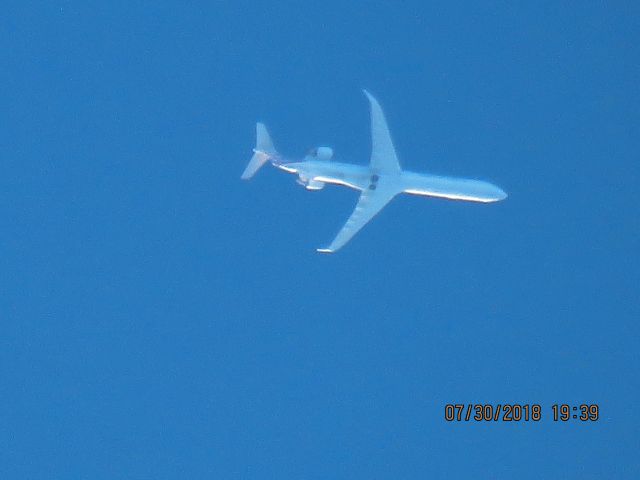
{"x":501,"y":194}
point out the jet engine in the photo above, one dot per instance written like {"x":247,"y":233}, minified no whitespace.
{"x":310,"y":184}
{"x":323,"y":153}
{"x":314,"y":185}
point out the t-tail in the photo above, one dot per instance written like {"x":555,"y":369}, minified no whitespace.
{"x":263,"y":152}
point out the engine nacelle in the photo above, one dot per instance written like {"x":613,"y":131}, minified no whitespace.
{"x":310,"y":184}
{"x":314,"y":185}
{"x":324,"y":153}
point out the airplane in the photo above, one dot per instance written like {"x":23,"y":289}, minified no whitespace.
{"x":379,"y":182}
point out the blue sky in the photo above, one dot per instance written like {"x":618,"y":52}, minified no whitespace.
{"x":162,"y":319}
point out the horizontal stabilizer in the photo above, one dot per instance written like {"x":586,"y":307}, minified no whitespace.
{"x":263,"y":152}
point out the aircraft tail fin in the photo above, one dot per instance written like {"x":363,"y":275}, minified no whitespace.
{"x":263,"y":152}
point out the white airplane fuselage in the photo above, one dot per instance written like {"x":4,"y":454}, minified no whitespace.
{"x":361,"y":177}
{"x":379,"y":182}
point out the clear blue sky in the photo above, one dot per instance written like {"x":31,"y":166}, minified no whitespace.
{"x":161,"y":319}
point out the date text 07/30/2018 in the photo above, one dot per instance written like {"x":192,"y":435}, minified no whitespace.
{"x":515,"y":412}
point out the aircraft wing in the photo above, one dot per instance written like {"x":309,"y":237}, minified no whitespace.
{"x":370,"y":203}
{"x":383,"y":155}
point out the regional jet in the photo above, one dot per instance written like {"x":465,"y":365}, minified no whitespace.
{"x":379,"y":182}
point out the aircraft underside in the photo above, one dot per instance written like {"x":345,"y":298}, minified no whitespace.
{"x":379,"y":182}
